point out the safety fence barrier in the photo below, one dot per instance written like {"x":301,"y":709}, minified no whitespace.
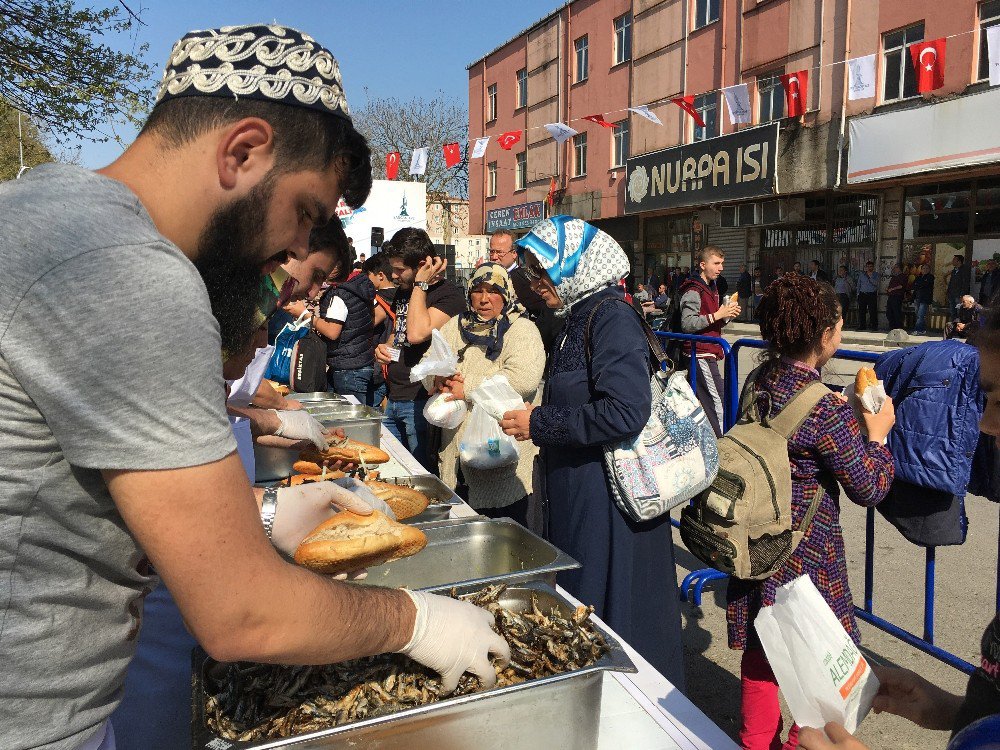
{"x":694,"y":583}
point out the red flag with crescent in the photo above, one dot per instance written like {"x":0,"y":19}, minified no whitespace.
{"x":599,"y":120}
{"x":508,"y":139}
{"x":687,"y":104}
{"x":452,"y":154}
{"x":796,"y":92}
{"x":391,"y":165}
{"x":928,"y":59}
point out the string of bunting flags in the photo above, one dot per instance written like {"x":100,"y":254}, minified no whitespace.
{"x":927,"y":58}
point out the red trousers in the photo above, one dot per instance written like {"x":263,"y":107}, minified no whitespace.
{"x":761,"y":713}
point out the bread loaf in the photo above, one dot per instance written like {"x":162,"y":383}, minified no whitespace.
{"x":297,"y":479}
{"x":866,"y":376}
{"x":346,"y":450}
{"x":347,"y":542}
{"x":405,"y":502}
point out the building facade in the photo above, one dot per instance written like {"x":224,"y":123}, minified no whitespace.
{"x":778,"y":190}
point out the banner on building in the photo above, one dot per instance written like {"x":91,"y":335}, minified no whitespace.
{"x":731,"y":167}
{"x":521,"y":216}
{"x":945,"y":135}
{"x":391,"y":205}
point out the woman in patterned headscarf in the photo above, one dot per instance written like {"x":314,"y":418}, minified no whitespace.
{"x":490,"y":339}
{"x":590,"y":399}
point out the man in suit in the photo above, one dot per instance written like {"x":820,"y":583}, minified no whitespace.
{"x":652,"y":280}
{"x":959,"y":283}
{"x":502,"y":251}
{"x":816,"y":273}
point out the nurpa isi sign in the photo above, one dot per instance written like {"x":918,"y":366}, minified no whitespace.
{"x":739,"y":165}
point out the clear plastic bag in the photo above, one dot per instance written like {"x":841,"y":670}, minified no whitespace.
{"x":820,"y":670}
{"x":438,"y":360}
{"x":484,"y":445}
{"x":442,"y":410}
{"x":496,"y":396}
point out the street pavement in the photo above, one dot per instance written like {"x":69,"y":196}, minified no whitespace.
{"x":965,"y":602}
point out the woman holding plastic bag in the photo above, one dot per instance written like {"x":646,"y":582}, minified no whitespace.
{"x":802,"y":321}
{"x":489,"y":340}
{"x":627,"y":571}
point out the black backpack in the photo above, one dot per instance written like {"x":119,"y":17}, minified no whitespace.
{"x":307,"y":370}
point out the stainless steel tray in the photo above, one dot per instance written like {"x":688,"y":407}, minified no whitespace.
{"x":273,"y":464}
{"x":443,"y":498}
{"x":314,"y":397}
{"x":474,"y":552}
{"x":362,"y":423}
{"x":562,"y":711}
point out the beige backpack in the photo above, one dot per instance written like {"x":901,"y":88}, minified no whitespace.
{"x":742,"y":524}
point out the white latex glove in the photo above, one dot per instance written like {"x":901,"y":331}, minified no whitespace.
{"x":301,"y":509}
{"x":453,"y":637}
{"x":360,"y":489}
{"x":301,"y":425}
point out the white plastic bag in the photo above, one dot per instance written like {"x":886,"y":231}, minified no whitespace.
{"x":438,"y":360}
{"x":496,"y":396}
{"x":484,"y":445}
{"x":442,"y":410}
{"x":820,"y":670}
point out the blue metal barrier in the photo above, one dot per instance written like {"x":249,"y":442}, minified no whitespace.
{"x":694,"y":583}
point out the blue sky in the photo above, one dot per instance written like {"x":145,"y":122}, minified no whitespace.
{"x":392,"y":47}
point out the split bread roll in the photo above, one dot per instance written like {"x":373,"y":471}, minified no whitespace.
{"x":306,"y":477}
{"x":347,"y":542}
{"x":405,"y":502}
{"x":346,"y":450}
{"x":735,"y":299}
{"x":866,"y":376}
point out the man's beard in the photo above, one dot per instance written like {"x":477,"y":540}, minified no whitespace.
{"x":230,"y":255}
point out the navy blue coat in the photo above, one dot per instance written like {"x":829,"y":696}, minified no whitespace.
{"x":628,"y":572}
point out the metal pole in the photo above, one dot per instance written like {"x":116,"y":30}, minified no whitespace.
{"x":869,"y":559}
{"x":929,"y":595}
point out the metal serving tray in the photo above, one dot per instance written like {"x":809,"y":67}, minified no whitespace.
{"x":562,"y":711}
{"x":361,"y":423}
{"x":443,"y":498}
{"x":273,"y":464}
{"x":471,"y":553}
{"x":317,"y":397}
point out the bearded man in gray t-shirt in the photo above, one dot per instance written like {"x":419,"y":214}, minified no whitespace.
{"x":117,"y":291}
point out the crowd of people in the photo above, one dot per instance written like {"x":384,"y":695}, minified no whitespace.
{"x":130,"y":528}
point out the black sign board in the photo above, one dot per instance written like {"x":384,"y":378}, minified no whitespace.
{"x":739,"y":165}
{"x":521,"y":216}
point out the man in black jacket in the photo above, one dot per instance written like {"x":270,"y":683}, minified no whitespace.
{"x":502,"y":251}
{"x":923,"y":297}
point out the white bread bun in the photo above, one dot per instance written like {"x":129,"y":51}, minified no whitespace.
{"x":346,"y":450}
{"x":347,"y":542}
{"x":405,"y":502}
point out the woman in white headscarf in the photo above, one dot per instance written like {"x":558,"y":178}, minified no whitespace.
{"x":592,"y":398}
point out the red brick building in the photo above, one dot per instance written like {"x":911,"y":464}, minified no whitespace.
{"x":826,"y":195}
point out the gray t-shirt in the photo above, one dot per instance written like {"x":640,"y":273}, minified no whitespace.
{"x":109,"y":359}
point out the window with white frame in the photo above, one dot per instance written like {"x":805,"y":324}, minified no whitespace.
{"x":707,"y":105}
{"x":491,"y":102}
{"x":491,"y":179}
{"x":623,"y":38}
{"x":582,"y":59}
{"x":619,"y":137}
{"x":705,"y":12}
{"x":579,"y":154}
{"x":770,"y":97}
{"x":521,"y":176}
{"x":899,"y":79}
{"x":989,"y":15}
{"x":522,"y":88}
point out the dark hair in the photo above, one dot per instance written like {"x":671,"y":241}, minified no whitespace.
{"x":378,"y":263}
{"x":411,"y":245}
{"x":961,"y":259}
{"x":987,"y":336}
{"x":332,"y":238}
{"x":303,"y":138}
{"x":795,"y":312}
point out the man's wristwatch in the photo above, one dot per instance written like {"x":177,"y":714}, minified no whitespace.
{"x":423,"y":285}
{"x":268,"y":508}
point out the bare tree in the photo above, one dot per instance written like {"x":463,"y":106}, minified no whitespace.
{"x":57,"y":71}
{"x":391,"y":125}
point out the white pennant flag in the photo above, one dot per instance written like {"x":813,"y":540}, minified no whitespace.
{"x":479,"y":149}
{"x":644,"y":111}
{"x":861,"y":77}
{"x":993,"y":45}
{"x":560,"y":132}
{"x":418,"y":162}
{"x":738,"y":103}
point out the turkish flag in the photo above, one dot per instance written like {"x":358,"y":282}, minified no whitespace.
{"x":928,"y":59}
{"x":391,"y":165}
{"x":796,"y":92}
{"x":452,"y":154}
{"x":508,"y":139}
{"x":687,"y":104}
{"x":550,"y":198}
{"x":599,"y":120}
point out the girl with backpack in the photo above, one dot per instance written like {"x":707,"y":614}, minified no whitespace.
{"x":802,"y":321}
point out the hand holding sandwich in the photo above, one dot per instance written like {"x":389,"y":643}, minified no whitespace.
{"x":301,"y":509}
{"x":301,"y":425}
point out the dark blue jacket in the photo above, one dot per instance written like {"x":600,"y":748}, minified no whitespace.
{"x":923,"y":288}
{"x":355,"y":347}
{"x":935,"y":388}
